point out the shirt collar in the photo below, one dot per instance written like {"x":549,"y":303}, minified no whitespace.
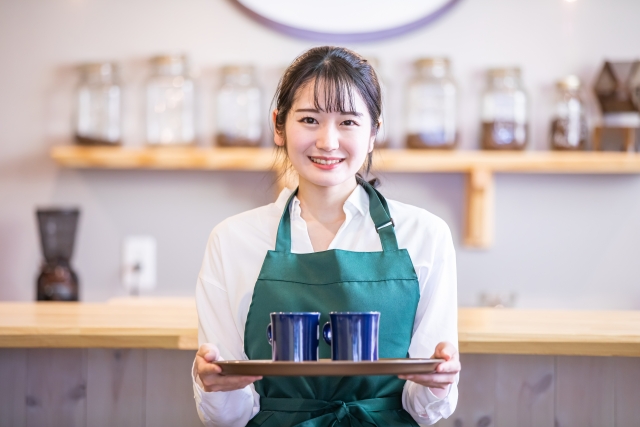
{"x":357,"y":202}
{"x":282,"y":199}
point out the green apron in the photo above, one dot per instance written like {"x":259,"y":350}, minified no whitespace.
{"x":335,"y":280}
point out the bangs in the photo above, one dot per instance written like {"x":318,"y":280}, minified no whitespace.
{"x":337,"y":76}
{"x":333,"y":89}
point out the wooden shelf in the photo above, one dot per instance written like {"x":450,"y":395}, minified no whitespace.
{"x":480,"y":167}
{"x":386,"y":160}
{"x":509,"y":162}
{"x":167,"y":158}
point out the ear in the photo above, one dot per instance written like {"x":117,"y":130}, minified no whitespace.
{"x":277,"y":138}
{"x":372,"y":140}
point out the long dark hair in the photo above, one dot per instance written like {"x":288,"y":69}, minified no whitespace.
{"x":338,"y":71}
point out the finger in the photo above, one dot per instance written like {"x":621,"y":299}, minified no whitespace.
{"x":233,"y":381}
{"x":229,"y":383}
{"x":445,"y":350}
{"x":432,"y":380}
{"x":208,"y":352}
{"x":204,"y":349}
{"x":212,"y":355}
{"x":206,"y":368}
{"x":444,"y":379}
{"x":450,"y":366}
{"x":435,"y":378}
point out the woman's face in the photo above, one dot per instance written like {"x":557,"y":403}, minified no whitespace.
{"x":326,"y":149}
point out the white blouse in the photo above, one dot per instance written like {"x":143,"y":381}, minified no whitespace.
{"x":233,"y":259}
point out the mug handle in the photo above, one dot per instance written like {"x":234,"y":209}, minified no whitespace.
{"x":326,"y":332}
{"x":269,"y":337}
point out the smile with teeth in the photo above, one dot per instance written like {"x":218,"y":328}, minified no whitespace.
{"x":324,"y":161}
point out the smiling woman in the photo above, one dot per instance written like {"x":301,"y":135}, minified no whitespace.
{"x":331,"y":245}
{"x":383,"y":18}
{"x":327,"y":114}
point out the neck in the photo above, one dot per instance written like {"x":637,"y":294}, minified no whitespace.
{"x":324,"y":204}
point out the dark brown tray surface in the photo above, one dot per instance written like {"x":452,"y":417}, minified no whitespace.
{"x":327,"y":367}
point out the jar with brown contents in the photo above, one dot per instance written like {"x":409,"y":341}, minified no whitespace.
{"x":98,"y":105}
{"x":569,"y":125}
{"x":239,"y":113}
{"x":432,"y":106}
{"x":504,"y":111}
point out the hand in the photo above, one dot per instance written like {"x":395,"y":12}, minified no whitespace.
{"x":210,"y":373}
{"x":445,"y":373}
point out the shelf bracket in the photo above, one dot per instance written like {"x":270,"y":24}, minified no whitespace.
{"x":480,"y":201}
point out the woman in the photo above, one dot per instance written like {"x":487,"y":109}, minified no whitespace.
{"x":328,"y":108}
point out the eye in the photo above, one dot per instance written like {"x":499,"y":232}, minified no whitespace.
{"x":308,"y":120}
{"x":350,"y":123}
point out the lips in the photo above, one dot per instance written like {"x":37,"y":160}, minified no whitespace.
{"x":325,"y":161}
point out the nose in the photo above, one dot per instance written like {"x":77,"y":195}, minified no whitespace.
{"x":328,"y":137}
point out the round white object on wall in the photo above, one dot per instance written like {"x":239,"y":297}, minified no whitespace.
{"x":345,"y":20}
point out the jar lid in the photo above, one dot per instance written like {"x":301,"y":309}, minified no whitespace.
{"x":432,"y":61}
{"x":169,"y":59}
{"x":570,"y":82}
{"x":238,"y":69}
{"x":104,"y":69}
{"x":504,"y":72}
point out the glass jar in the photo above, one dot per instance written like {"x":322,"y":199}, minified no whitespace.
{"x":98,"y":105}
{"x":432,"y":106}
{"x":504,"y":111}
{"x":569,"y":125}
{"x":239,"y":108}
{"x":170,"y":102}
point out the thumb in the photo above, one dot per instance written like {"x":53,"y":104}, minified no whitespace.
{"x":209,"y":352}
{"x":445,"y":351}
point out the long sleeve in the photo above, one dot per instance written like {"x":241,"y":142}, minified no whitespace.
{"x":233,"y":259}
{"x":436,"y":321}
{"x":217,"y":325}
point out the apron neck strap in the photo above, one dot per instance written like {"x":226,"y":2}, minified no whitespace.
{"x":378,"y":209}
{"x":283,"y":239}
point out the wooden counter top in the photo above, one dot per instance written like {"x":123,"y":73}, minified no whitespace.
{"x":559,"y":332}
{"x":172,"y":324}
{"x":169,"y":324}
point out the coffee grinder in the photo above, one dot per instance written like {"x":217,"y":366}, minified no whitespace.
{"x":57,"y":280}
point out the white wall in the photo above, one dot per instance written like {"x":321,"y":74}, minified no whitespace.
{"x":561,"y":241}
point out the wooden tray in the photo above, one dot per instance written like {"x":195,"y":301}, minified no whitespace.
{"x":327,"y":367}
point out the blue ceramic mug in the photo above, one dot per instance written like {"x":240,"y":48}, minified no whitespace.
{"x":294,"y":336}
{"x":353,"y":335}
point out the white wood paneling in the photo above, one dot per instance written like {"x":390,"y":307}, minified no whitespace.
{"x":525,"y":391}
{"x":584,"y":391}
{"x":56,"y":387}
{"x":169,"y":391}
{"x":627,"y":397}
{"x":13,"y":382}
{"x":106,"y":387}
{"x":477,"y":399}
{"x":116,"y":387}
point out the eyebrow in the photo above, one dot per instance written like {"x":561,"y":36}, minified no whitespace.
{"x":343,"y":113}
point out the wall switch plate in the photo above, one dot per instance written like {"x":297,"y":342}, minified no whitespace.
{"x":139,"y":263}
